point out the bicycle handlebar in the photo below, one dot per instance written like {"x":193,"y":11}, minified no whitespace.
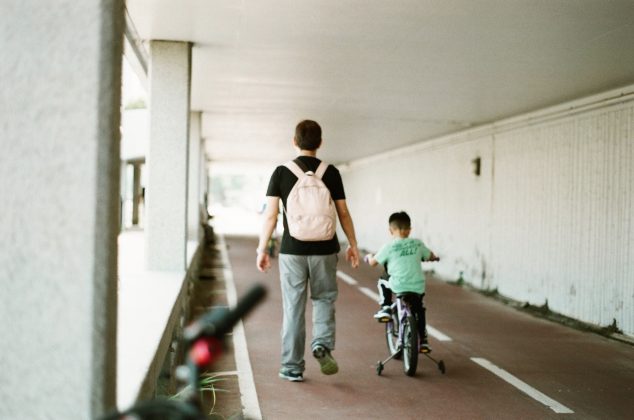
{"x":218,"y":322}
{"x":210,"y":328}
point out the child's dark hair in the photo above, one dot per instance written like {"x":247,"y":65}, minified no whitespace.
{"x":308,"y":135}
{"x":400,"y":220}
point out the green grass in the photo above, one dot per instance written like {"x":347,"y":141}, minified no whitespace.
{"x":208,"y":384}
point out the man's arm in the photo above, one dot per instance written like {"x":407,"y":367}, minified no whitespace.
{"x":268,"y":226}
{"x":352,"y":253}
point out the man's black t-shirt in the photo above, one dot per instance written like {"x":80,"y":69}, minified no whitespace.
{"x":280,"y":185}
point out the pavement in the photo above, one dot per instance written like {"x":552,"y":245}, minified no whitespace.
{"x":501,"y":363}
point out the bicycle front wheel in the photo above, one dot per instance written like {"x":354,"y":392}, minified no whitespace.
{"x":410,"y":345}
{"x":391,"y":336}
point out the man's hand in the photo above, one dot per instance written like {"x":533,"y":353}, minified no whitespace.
{"x":268,"y":226}
{"x":352,"y":255}
{"x":263,"y":261}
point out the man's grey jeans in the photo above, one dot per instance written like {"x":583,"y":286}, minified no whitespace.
{"x":297,"y":273}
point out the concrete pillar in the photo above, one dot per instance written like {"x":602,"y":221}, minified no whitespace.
{"x":193,"y":193}
{"x":59,"y":183}
{"x":205,"y":180}
{"x":136,"y":191}
{"x":203,"y":187}
{"x":166,"y":228}
{"x":123,"y":180}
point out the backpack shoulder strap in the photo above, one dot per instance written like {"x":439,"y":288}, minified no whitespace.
{"x":295,"y":169}
{"x":301,"y":165}
{"x":321,"y":170}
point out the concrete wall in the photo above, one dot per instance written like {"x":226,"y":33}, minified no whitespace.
{"x":194,"y":201}
{"x":548,"y":219}
{"x":59,"y":182}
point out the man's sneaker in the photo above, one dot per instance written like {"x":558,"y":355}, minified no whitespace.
{"x":326,"y":361}
{"x":384,"y":314}
{"x":291,"y":376}
{"x":424,"y":346}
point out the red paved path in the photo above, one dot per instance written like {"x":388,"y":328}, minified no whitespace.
{"x":590,"y":374}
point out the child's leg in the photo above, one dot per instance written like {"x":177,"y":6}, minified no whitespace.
{"x":418,"y":310}
{"x":422,"y":325}
{"x":422,"y":321}
{"x":385,"y":293}
{"x":385,"y":300}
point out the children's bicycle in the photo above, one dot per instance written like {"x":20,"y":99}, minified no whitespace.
{"x":401,"y":333}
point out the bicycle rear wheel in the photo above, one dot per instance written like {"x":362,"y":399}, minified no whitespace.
{"x":410,"y":346}
{"x":391,"y":336}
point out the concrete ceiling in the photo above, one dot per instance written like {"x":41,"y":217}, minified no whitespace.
{"x":380,"y":74}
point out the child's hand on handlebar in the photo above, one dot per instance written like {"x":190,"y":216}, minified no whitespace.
{"x":369,"y":258}
{"x":433,"y":257}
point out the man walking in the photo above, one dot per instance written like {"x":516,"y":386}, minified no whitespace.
{"x":307,"y":263}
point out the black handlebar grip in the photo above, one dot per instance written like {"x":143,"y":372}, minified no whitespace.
{"x":218,"y":322}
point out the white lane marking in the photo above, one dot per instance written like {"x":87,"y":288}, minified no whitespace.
{"x":343,"y":276}
{"x":369,"y":293}
{"x":523,"y":386}
{"x":374,"y":296}
{"x":248,"y":394}
{"x":437,"y":334}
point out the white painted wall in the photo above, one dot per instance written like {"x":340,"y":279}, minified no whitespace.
{"x":548,"y":219}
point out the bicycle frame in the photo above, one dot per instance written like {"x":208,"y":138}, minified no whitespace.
{"x":395,"y":327}
{"x":403,"y":315}
{"x":403,"y":312}
{"x":406,"y":343}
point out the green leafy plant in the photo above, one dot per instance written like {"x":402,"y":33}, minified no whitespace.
{"x":208,"y":383}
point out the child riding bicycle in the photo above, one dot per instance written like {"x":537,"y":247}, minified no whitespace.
{"x":402,"y":257}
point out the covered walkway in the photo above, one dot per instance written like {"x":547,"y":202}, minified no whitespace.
{"x":504,"y":128}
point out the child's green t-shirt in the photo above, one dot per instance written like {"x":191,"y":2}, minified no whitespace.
{"x":403,"y":257}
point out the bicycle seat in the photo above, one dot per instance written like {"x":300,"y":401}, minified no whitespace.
{"x":409,"y":297}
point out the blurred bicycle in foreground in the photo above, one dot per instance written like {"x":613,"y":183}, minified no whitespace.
{"x":204,"y":343}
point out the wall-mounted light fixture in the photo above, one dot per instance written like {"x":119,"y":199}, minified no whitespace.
{"x":476,"y":166}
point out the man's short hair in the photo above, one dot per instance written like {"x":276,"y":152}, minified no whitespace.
{"x":400,"y":221}
{"x":308,"y":135}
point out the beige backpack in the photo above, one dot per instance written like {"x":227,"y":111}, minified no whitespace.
{"x":310,"y":211}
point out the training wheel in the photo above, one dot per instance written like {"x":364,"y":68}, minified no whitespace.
{"x":441,"y":366}
{"x":379,"y":368}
